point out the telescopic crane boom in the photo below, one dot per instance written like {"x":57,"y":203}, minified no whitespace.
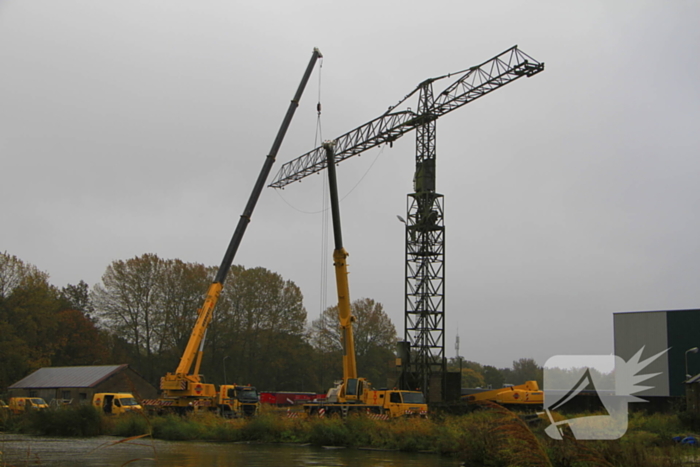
{"x":341,"y":273}
{"x":424,"y":233}
{"x":184,"y":385}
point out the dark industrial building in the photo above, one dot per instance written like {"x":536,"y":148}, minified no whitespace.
{"x":692,"y":394}
{"x":78,"y":383}
{"x":655,"y":331}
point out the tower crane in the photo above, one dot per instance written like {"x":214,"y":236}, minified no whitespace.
{"x":423,"y":353}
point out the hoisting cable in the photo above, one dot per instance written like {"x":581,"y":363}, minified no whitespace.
{"x":323,"y":285}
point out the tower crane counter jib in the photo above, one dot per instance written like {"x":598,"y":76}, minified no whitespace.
{"x":184,"y":389}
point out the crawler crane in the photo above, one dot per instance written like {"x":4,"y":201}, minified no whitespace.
{"x":184,"y":389}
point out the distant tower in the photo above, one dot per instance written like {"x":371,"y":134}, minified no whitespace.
{"x":457,"y":343}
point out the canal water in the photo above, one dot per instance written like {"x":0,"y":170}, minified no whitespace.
{"x":20,"y":450}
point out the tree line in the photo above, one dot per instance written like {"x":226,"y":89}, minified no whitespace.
{"x":144,"y":308}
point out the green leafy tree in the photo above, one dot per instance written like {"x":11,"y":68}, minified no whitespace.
{"x":493,"y":377}
{"x":472,"y":372}
{"x":472,"y":379}
{"x":526,"y":369}
{"x":13,"y":353}
{"x":78,"y":341}
{"x":28,"y":307}
{"x":77,"y":297}
{"x":41,"y":326}
{"x":260,"y":325}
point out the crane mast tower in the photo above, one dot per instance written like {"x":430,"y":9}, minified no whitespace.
{"x":423,"y":348}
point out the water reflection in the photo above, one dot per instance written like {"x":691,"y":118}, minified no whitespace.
{"x":102,"y":451}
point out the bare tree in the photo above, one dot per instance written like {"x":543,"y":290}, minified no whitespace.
{"x":13,"y":271}
{"x":374,"y":334}
{"x":126,"y":303}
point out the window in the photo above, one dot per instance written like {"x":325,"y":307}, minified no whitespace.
{"x":395,"y":398}
{"x":351,"y":387}
{"x":413,"y":397}
{"x":65,"y":395}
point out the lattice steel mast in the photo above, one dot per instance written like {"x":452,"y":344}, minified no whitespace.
{"x":425,"y":230}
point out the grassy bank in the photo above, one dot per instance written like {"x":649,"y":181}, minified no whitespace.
{"x":494,"y":437}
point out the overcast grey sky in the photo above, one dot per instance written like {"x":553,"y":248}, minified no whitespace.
{"x":137,"y":127}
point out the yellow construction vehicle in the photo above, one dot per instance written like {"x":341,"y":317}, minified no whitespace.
{"x":352,"y":393}
{"x":22,"y":404}
{"x":235,"y":401}
{"x":528,"y":394}
{"x":116,"y":403}
{"x":184,"y":390}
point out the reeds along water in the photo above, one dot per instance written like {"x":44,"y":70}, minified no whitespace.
{"x":491,"y":436}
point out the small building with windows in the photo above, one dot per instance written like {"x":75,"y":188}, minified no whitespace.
{"x":75,"y":384}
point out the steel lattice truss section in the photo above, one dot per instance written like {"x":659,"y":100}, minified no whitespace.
{"x":425,"y":133}
{"x":425,"y":285}
{"x":470,"y":84}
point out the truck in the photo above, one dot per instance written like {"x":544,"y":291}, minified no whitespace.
{"x":184,"y":390}
{"x":236,"y":401}
{"x":116,"y":403}
{"x":20,"y":405}
{"x":354,"y":394}
{"x":359,"y":397}
{"x":523,"y":395}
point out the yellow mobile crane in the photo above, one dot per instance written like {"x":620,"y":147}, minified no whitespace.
{"x":184,"y":389}
{"x":354,"y":394}
{"x":527,"y":394}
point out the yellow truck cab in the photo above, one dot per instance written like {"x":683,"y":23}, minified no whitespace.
{"x":397,"y":403}
{"x":235,"y":401}
{"x":116,"y":403}
{"x":22,"y":404}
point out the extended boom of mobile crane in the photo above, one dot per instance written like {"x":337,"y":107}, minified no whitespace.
{"x":184,"y":388}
